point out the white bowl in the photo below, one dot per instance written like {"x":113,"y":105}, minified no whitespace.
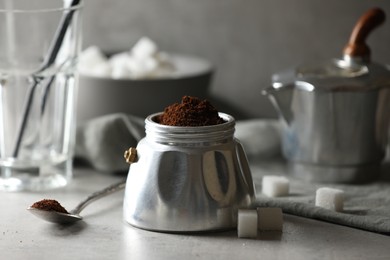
{"x":100,"y":96}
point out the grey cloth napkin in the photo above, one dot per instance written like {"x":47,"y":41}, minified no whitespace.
{"x":102,"y":142}
{"x":366,"y":206}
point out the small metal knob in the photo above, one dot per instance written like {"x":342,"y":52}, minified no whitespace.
{"x":131,"y":155}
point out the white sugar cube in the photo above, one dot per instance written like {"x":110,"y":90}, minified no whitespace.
{"x":330,"y":198}
{"x":275,"y":186}
{"x":91,"y":57}
{"x":142,"y":68}
{"x":120,"y":72}
{"x":151,"y":64}
{"x":100,"y":70}
{"x":247,"y":223}
{"x":121,"y":58}
{"x":119,"y":65}
{"x":270,"y":219}
{"x":144,"y":48}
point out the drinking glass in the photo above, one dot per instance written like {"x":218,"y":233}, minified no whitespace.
{"x":40,"y":42}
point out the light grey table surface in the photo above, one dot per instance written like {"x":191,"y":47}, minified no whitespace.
{"x":104,"y":235}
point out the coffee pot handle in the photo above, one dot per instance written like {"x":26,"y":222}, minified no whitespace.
{"x":357,"y":46}
{"x":245,"y":169}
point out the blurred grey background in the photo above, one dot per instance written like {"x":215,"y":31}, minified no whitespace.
{"x":246,"y":40}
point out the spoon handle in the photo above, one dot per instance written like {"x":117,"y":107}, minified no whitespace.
{"x":99,"y":194}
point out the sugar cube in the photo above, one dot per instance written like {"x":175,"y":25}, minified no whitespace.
{"x":144,"y":48}
{"x":330,"y":198}
{"x":90,"y":58}
{"x":100,"y":70}
{"x":120,"y":72}
{"x":121,"y":58}
{"x":270,"y":219}
{"x":275,"y":186}
{"x":247,"y":223}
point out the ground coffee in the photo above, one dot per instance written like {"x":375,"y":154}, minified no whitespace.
{"x":49,"y":205}
{"x":190,"y":112}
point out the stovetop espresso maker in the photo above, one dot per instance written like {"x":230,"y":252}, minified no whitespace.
{"x":335,"y":114}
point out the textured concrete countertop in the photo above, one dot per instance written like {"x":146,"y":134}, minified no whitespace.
{"x":104,"y":235}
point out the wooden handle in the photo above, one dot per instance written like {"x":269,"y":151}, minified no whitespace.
{"x":357,"y":46}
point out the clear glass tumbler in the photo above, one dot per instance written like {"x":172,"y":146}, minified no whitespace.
{"x":39,"y":46}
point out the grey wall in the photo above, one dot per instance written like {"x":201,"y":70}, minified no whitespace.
{"x":247,"y":40}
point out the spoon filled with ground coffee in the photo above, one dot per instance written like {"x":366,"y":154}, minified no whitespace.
{"x":52,"y":211}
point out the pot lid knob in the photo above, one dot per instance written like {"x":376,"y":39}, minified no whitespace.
{"x":357,"y":47}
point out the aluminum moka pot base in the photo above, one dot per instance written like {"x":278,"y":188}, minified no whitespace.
{"x":188,"y":179}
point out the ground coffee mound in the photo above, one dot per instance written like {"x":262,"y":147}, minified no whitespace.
{"x":49,"y":205}
{"x":190,"y":112}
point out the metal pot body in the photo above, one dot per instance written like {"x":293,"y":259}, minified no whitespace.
{"x":337,"y":128}
{"x":188,"y":179}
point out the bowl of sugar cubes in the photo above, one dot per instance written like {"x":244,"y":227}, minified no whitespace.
{"x":139,"y":81}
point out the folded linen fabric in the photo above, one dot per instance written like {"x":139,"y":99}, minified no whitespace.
{"x":366,"y":206}
{"x":102,"y":141}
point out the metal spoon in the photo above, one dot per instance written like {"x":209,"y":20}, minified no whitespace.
{"x":73,"y":215}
